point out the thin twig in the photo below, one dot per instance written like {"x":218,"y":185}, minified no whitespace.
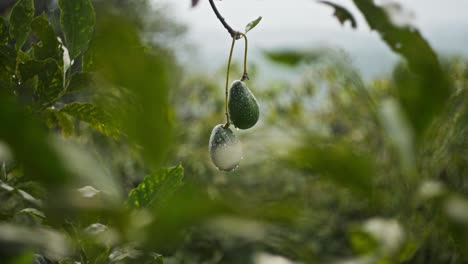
{"x":228,"y":123}
{"x":234,"y":33}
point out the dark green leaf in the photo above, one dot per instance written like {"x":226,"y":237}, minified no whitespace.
{"x":20,"y":21}
{"x":252,"y":24}
{"x":49,"y":47}
{"x":341,"y":13}
{"x":77,"y":19}
{"x":424,"y":91}
{"x":50,"y":86}
{"x":80,"y":81}
{"x":157,"y":188}
{"x":137,"y":89}
{"x":7,"y":58}
{"x":92,"y":115}
{"x":292,"y":57}
{"x":3,"y":31}
{"x":339,"y":163}
{"x":30,"y":143}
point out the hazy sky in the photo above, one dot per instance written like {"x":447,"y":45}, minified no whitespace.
{"x":307,"y":24}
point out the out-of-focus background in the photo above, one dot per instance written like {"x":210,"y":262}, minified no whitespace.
{"x":359,"y":154}
{"x":303,"y":24}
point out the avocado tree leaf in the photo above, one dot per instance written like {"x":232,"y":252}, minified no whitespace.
{"x":80,"y":81}
{"x":156,"y":188}
{"x":50,"y":75}
{"x":20,"y":21}
{"x":92,"y":115}
{"x":341,"y":13}
{"x":77,"y":19}
{"x":252,"y":24}
{"x":293,"y":57}
{"x":7,"y":58}
{"x":49,"y":47}
{"x":338,"y":163}
{"x":3,"y":31}
{"x":195,"y":2}
{"x":423,"y":88}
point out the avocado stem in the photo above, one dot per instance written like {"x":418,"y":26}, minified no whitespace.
{"x":227,"y":83}
{"x":245,"y":76}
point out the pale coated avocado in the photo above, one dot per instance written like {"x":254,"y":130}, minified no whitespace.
{"x":225,"y":149}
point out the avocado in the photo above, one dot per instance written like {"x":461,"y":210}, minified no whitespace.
{"x":243,"y":107}
{"x":225,"y":149}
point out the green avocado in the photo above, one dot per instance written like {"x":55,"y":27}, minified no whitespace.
{"x":243,"y":107}
{"x":225,"y":149}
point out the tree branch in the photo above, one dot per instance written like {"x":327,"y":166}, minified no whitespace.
{"x":234,"y":33}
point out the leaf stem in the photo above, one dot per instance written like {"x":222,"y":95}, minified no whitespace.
{"x":228,"y":123}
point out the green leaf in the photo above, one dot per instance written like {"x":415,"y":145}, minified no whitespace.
{"x":252,"y":24}
{"x":341,"y":13}
{"x":77,"y":19}
{"x":66,"y":123}
{"x":92,"y":115}
{"x":7,"y":58}
{"x":80,"y":81}
{"x":49,"y":47}
{"x":338,"y":162}
{"x":294,"y":58}
{"x":157,"y":188}
{"x":3,"y":31}
{"x":20,"y":21}
{"x":50,"y":86}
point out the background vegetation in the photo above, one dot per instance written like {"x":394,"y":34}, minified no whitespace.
{"x":103,"y":147}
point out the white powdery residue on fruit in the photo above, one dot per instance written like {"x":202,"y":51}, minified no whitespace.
{"x":225,"y":149}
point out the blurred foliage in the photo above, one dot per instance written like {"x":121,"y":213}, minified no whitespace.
{"x":96,"y":113}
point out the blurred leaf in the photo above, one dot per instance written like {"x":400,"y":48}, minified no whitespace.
{"x":77,"y":19}
{"x":3,"y":31}
{"x":399,"y":132}
{"x":292,"y":57}
{"x":50,"y":86}
{"x":195,"y":2}
{"x":53,"y":244}
{"x":20,"y":21}
{"x":8,"y":57}
{"x":424,"y":94}
{"x":30,"y":144}
{"x":138,"y":80}
{"x":362,"y":242}
{"x":94,"y":116}
{"x":338,"y":163}
{"x":80,"y":81}
{"x":24,"y":258}
{"x":49,"y":47}
{"x":341,"y":13}
{"x":65,"y":122}
{"x":252,"y":24}
{"x":157,"y":188}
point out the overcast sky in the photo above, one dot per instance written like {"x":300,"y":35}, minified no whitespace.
{"x":307,"y":24}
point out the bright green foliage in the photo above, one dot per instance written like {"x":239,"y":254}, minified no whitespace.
{"x":20,"y":21}
{"x":49,"y":47}
{"x":92,"y":115}
{"x":77,"y":19}
{"x":157,"y":187}
{"x":252,"y":24}
{"x":243,"y":107}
